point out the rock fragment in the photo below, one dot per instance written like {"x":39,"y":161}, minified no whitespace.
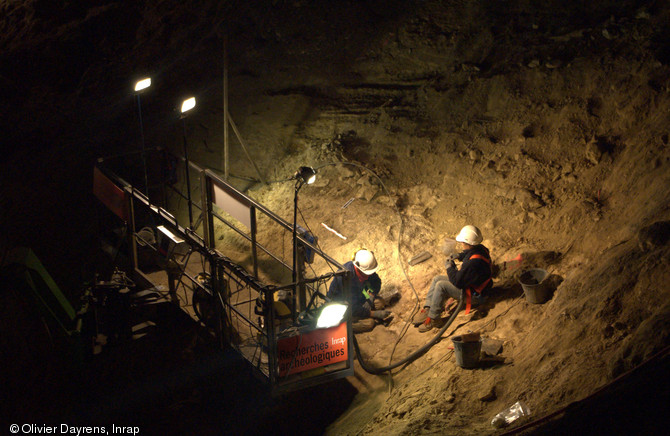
{"x":593,"y":152}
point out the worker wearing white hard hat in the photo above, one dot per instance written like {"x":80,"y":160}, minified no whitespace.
{"x":367,"y":307}
{"x":366,"y":262}
{"x":470,"y":235}
{"x":472,"y":279}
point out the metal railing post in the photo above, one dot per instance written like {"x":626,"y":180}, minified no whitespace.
{"x":254,"y":254}
{"x":302,"y":288}
{"x":346,"y":286}
{"x":221,"y":294}
{"x":132,"y":240}
{"x":229,"y":280}
{"x":206,"y":210}
{"x":271,"y":336}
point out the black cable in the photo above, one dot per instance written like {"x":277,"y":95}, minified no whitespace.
{"x":317,"y":242}
{"x":318,"y":284}
{"x":418,"y":353}
{"x":280,"y":181}
{"x":514,"y":303}
{"x":402,"y":266}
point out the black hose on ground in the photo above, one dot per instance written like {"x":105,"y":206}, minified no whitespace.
{"x":437,"y":337}
{"x":400,"y":258}
{"x":418,"y":353}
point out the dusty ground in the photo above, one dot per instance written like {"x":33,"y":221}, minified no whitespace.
{"x":544,"y":125}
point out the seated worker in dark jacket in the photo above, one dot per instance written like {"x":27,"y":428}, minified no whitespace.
{"x":474,"y":277}
{"x":366,"y":304}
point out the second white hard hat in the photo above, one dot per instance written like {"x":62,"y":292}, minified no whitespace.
{"x":365,"y":261}
{"x":470,"y":235}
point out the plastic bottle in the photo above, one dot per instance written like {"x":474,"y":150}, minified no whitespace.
{"x":509,"y":415}
{"x":449,"y":246}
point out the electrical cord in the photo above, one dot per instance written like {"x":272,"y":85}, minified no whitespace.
{"x":400,"y":232}
{"x":405,"y":328}
{"x":416,"y":354}
{"x":318,"y":285}
{"x":317,"y":242}
{"x":514,"y":303}
{"x":368,"y":368}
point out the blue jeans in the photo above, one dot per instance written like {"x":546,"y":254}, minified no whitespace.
{"x":439,"y":290}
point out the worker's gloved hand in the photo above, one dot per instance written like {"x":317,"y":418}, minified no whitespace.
{"x":453,"y":256}
{"x":449,"y":264}
{"x":380,"y":314}
{"x":379,"y":303}
{"x":367,"y":306}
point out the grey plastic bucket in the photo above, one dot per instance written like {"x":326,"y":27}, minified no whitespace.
{"x":531,"y":281}
{"x":467,"y":353}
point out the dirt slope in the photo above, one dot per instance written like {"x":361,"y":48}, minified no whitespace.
{"x":553,"y":140}
{"x":544,"y":125}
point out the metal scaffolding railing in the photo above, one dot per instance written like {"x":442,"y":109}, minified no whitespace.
{"x":262,"y":313}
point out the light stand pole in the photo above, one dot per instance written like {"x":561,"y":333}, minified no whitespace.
{"x":303,"y":175}
{"x":139,"y":87}
{"x":186,"y":106}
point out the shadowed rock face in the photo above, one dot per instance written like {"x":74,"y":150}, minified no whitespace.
{"x":654,"y":236}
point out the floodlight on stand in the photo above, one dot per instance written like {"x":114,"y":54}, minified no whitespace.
{"x":305,"y":175}
{"x":143,"y":84}
{"x":140,"y":86}
{"x":331,"y":314}
{"x":188,"y":104}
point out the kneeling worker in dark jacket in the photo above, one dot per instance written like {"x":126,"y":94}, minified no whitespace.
{"x":366,"y":304}
{"x":474,"y":277}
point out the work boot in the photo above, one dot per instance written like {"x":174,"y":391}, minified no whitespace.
{"x":363,"y":325}
{"x":430,"y":324}
{"x":420,"y":317}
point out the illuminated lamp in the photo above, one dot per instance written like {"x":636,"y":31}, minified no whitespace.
{"x":140,"y":86}
{"x":143,"y":84}
{"x":304,"y":175}
{"x":331,"y":314}
{"x":186,"y":106}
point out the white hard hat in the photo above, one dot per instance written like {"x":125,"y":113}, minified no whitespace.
{"x":470,"y":235}
{"x":365,"y":261}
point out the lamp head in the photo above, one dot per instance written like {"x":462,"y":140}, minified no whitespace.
{"x":331,"y":314}
{"x":143,"y":84}
{"x":305,"y":175}
{"x":187,"y":105}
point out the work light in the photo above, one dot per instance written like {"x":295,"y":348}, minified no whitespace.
{"x":331,"y":314}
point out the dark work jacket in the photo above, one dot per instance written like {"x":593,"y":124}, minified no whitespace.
{"x":473,"y":272}
{"x":373,"y":283}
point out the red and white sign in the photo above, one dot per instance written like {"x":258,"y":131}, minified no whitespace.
{"x":312,"y":350}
